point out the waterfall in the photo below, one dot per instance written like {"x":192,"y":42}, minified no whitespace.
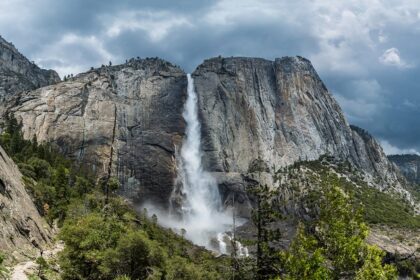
{"x":196,"y":207}
{"x":200,"y":188}
{"x":203,"y":216}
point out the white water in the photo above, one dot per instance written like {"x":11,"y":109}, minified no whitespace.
{"x":203,"y":217}
{"x":223,"y":238}
{"x":222,"y":243}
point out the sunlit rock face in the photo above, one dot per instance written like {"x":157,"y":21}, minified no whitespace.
{"x":130,"y":115}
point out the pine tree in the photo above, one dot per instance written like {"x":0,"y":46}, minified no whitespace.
{"x":264,"y":217}
{"x":61,"y":185}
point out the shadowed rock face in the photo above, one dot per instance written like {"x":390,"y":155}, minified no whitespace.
{"x":22,"y":228}
{"x":18,"y":74}
{"x":409,"y":166}
{"x":131,"y":115}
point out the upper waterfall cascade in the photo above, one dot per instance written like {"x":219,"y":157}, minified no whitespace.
{"x":202,"y":212}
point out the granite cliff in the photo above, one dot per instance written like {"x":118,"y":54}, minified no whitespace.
{"x":127,"y":120}
{"x":281,"y":112}
{"x":124,"y":119}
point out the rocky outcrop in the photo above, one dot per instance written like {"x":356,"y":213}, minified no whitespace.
{"x":409,"y":166}
{"x":18,"y":74}
{"x":399,"y":244}
{"x":281,"y":112}
{"x":22,"y":228}
{"x":128,"y":115}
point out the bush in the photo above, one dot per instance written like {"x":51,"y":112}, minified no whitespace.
{"x":87,"y":239}
{"x":41,"y":167}
{"x":135,"y":256}
{"x":179,"y":268}
{"x":373,"y":268}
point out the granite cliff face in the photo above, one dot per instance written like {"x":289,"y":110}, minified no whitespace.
{"x":129,"y":117}
{"x":22,"y":228}
{"x":281,"y":112}
{"x":409,"y":166}
{"x":18,"y":74}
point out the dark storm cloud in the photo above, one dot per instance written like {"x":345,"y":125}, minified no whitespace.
{"x":365,"y":51}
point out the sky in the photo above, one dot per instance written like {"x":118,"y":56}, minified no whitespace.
{"x":366,"y":51}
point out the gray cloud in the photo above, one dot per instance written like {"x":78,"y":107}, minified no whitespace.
{"x":366,"y":51}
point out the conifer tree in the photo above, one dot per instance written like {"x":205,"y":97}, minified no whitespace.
{"x":264,"y":217}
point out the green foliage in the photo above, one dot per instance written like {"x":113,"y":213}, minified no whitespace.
{"x":340,"y":228}
{"x":334,"y":246}
{"x":113,"y":184}
{"x":122,"y":277}
{"x":51,"y":179}
{"x":41,"y":168}
{"x":100,"y":246}
{"x":408,"y":267}
{"x":135,"y":255}
{"x":179,"y":268}
{"x":305,"y":259}
{"x":379,"y":207}
{"x":4,"y":272}
{"x":87,"y":240}
{"x":42,"y":266}
{"x":244,"y":269}
{"x":373,"y":269}
{"x":382,"y":208}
